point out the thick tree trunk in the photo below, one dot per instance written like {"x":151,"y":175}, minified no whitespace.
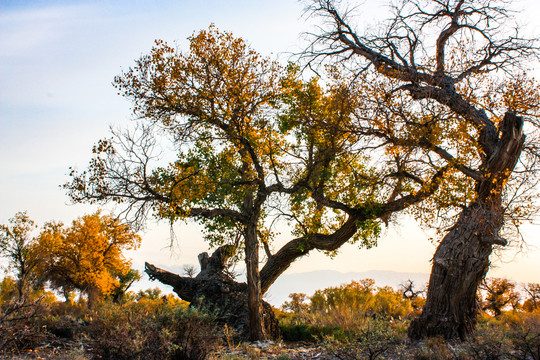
{"x":214,"y":289}
{"x":459,"y":265}
{"x":462,"y":258}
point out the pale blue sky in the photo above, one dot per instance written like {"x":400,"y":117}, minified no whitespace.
{"x":57,"y":62}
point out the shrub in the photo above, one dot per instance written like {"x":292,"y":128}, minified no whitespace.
{"x":311,"y":333}
{"x":525,"y":337}
{"x":490,"y":342}
{"x":374,"y":340}
{"x":347,"y":306}
{"x":18,"y":336}
{"x":152,"y":330}
{"x":513,"y":335}
{"x":20,"y":329}
{"x":435,"y":348}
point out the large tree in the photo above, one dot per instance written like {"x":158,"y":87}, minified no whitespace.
{"x":447,"y":81}
{"x":254,"y":143}
{"x":87,"y":256}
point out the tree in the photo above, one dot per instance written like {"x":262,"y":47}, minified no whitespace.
{"x":499,"y":294}
{"x":19,"y":247}
{"x":125,"y":280}
{"x":447,"y":82}
{"x":189,"y":270}
{"x":414,"y":295}
{"x":88,"y":255}
{"x":297,"y":303}
{"x":255,"y":144}
{"x":532,"y":302}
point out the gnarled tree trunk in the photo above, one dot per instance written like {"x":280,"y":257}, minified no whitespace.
{"x":459,"y":265}
{"x":462,"y":258}
{"x":212,"y":288}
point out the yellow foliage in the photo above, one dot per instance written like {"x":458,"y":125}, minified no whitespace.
{"x":88,"y":255}
{"x":348,"y":306}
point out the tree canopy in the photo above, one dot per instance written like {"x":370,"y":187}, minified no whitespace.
{"x":87,"y":256}
{"x":428,"y":115}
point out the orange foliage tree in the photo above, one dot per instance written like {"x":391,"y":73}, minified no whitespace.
{"x":87,"y":256}
{"x":532,"y":300}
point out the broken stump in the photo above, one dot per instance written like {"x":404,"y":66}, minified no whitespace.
{"x":217,"y":291}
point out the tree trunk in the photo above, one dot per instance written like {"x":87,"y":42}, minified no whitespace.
{"x":256,"y":331}
{"x":459,"y":265}
{"x":213,"y":288}
{"x":93,"y":295}
{"x":462,"y":258}
{"x":20,"y":289}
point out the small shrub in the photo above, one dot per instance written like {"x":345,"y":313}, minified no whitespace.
{"x":229,"y":357}
{"x":19,"y":336}
{"x":251,"y":352}
{"x":297,"y":332}
{"x":486,"y":347}
{"x":434,"y":348}
{"x":20,"y":329}
{"x":312,"y":333}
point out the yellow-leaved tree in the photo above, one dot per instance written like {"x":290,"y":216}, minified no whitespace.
{"x":87,"y":256}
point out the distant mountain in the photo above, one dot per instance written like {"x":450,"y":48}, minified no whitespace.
{"x":309,"y":282}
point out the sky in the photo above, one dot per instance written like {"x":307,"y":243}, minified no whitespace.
{"x":57,"y":62}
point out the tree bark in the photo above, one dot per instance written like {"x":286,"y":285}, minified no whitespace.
{"x":462,"y":258}
{"x":256,"y":331}
{"x":459,"y":265}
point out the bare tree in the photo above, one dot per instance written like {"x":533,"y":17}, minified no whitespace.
{"x":409,"y":290}
{"x":448,"y":82}
{"x":190,"y":270}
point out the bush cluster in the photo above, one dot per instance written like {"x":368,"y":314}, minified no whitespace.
{"x":359,"y":321}
{"x":160,"y":331}
{"x":144,"y":327}
{"x":342,"y":311}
